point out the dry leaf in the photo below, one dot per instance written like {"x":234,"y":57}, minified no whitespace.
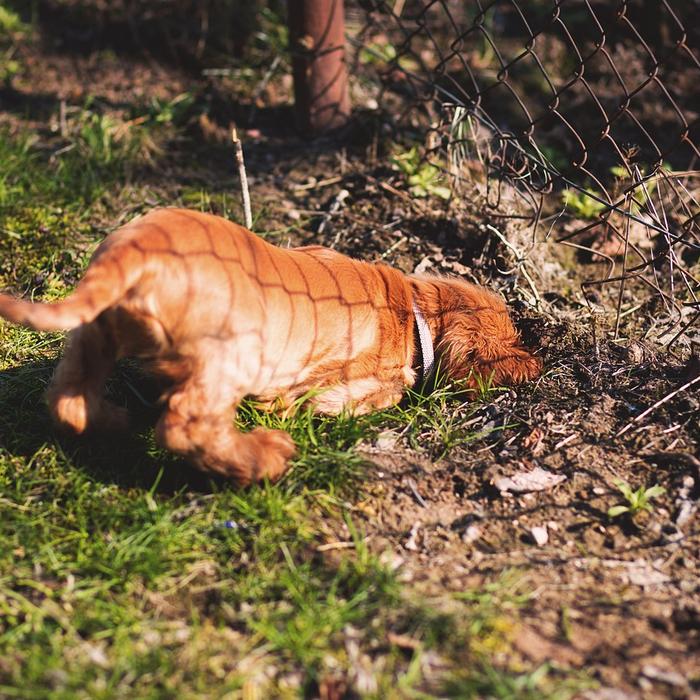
{"x":536,"y":480}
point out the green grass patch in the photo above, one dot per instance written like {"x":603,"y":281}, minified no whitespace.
{"x":117,"y":584}
{"x":111,"y":591}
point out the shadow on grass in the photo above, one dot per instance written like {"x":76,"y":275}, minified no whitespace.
{"x":326,"y":462}
{"x":129,"y":460}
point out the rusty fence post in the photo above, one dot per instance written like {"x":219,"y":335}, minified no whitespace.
{"x":317,"y":41}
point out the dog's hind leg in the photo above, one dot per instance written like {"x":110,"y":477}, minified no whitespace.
{"x":75,"y":397}
{"x":198,"y":424}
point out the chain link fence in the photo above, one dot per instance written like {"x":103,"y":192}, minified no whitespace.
{"x":584,"y":112}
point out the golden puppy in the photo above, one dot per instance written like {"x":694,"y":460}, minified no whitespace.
{"x":221,"y":314}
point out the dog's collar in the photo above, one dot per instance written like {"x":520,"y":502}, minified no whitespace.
{"x":425,"y":343}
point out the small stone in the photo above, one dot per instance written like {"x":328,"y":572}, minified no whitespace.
{"x":662,"y":676}
{"x":425,"y":264}
{"x":411,"y":542}
{"x":391,"y":560}
{"x":536,"y":479}
{"x":96,"y":655}
{"x":387,"y":440}
{"x":471,"y":534}
{"x":539,"y":535}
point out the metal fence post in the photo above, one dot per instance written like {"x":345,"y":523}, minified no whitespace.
{"x":317,"y":41}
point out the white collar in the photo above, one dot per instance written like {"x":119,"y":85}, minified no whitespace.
{"x":426,"y":344}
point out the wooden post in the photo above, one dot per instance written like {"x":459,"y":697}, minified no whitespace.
{"x":317,"y":42}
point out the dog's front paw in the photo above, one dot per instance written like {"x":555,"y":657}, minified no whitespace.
{"x":272,"y":450}
{"x":529,"y":368}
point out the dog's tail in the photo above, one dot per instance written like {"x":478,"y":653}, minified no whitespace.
{"x":110,"y":275}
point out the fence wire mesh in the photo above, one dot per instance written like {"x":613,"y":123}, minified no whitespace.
{"x":585,"y":112}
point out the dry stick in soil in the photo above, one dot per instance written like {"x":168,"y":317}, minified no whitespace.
{"x":521,"y":263}
{"x":238,"y":150}
{"x":660,"y":402}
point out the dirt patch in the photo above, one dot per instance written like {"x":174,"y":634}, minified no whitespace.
{"x":620,"y":598}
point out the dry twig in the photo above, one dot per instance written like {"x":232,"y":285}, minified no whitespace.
{"x":238,"y":150}
{"x":660,"y":402}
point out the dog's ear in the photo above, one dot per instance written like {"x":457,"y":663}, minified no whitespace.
{"x":477,"y":336}
{"x":516,"y":367}
{"x":486,"y":345}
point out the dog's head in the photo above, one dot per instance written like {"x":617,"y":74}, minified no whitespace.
{"x":476,"y":336}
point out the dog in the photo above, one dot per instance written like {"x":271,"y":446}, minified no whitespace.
{"x":220,"y":314}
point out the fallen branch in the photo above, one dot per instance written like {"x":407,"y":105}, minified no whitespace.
{"x":660,"y":402}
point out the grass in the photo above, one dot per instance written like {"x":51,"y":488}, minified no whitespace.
{"x":111,"y":590}
{"x":125,"y":574}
